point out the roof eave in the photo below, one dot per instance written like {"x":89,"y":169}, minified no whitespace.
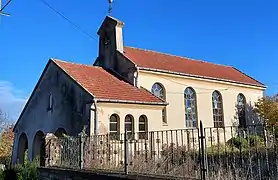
{"x":198,"y":76}
{"x":131,"y":102}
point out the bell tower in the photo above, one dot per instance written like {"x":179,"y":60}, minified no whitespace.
{"x":110,"y":41}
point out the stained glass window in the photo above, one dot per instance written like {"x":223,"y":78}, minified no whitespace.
{"x":159,"y":91}
{"x":190,"y":107}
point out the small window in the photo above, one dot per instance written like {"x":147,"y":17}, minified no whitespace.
{"x":50,"y":103}
{"x":129,"y":126}
{"x":114,"y":127}
{"x":217,"y":107}
{"x":159,"y":91}
{"x":143,"y":127}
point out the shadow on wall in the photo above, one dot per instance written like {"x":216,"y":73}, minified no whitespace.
{"x":246,"y":116}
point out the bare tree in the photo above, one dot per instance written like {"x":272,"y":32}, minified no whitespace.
{"x":3,"y":121}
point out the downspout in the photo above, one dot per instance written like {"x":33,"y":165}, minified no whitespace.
{"x":95,"y":115}
{"x":136,"y":76}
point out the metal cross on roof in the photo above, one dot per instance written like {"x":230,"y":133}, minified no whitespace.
{"x":110,"y":7}
{"x":2,"y":8}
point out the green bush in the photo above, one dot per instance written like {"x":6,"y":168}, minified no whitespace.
{"x":220,"y":149}
{"x":255,"y":141}
{"x":1,"y":175}
{"x":238,"y":142}
{"x":27,"y":171}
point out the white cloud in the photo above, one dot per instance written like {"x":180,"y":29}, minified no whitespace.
{"x":12,"y":100}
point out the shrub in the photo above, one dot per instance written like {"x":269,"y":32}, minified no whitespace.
{"x":255,"y":141}
{"x":20,"y":172}
{"x":238,"y":142}
{"x":220,"y":149}
{"x":1,"y":175}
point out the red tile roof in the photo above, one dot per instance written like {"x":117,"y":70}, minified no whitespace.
{"x":105,"y":86}
{"x":165,"y":62}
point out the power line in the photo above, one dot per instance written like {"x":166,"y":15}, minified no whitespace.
{"x":2,"y":8}
{"x":5,"y":5}
{"x":68,"y":20}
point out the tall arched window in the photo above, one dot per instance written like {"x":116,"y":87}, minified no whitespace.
{"x":114,"y":126}
{"x":159,"y":91}
{"x":217,"y":107}
{"x":241,"y":104}
{"x":190,"y":107}
{"x":143,"y":127}
{"x":129,"y":126}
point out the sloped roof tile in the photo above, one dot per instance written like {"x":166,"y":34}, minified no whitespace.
{"x":166,"y":62}
{"x":103,"y":85}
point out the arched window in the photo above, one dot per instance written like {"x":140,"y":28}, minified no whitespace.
{"x":241,"y":104}
{"x":190,"y":107}
{"x":129,"y":126}
{"x":114,"y":127}
{"x":159,"y":91}
{"x":143,"y":127}
{"x":217,"y":107}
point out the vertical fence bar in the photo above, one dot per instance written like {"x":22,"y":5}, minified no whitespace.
{"x":81,"y":157}
{"x":126,"y":151}
{"x":202,"y":138}
{"x":266,"y":150}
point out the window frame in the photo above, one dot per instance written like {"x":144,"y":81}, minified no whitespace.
{"x":193,"y":102}
{"x":115,"y":134}
{"x":130,"y":132}
{"x":217,"y":123}
{"x":241,"y":112}
{"x":50,"y":102}
{"x":143,"y":133}
{"x":162,"y":95}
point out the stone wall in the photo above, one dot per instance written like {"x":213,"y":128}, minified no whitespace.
{"x":65,"y":174}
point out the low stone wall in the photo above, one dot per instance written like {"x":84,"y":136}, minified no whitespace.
{"x":69,"y":174}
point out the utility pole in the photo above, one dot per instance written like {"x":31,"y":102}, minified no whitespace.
{"x":2,"y":8}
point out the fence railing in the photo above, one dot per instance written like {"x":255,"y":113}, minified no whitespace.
{"x":201,"y":153}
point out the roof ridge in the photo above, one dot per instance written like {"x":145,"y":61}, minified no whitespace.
{"x":59,"y":60}
{"x":187,"y":58}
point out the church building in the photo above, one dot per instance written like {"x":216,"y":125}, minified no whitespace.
{"x":134,"y":89}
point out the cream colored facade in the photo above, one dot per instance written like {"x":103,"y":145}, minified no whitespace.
{"x":105,"y":110}
{"x":174,"y":86}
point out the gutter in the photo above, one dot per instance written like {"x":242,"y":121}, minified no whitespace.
{"x":198,"y":76}
{"x":132,"y":102}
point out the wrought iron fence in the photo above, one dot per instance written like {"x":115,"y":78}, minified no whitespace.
{"x":201,"y":153}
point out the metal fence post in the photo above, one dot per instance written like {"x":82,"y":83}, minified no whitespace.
{"x":81,"y":146}
{"x":126,"y":152}
{"x":202,"y":149}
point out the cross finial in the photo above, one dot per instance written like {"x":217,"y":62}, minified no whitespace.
{"x":110,"y":7}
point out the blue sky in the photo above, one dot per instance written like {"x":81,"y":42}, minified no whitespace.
{"x":233,"y":32}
